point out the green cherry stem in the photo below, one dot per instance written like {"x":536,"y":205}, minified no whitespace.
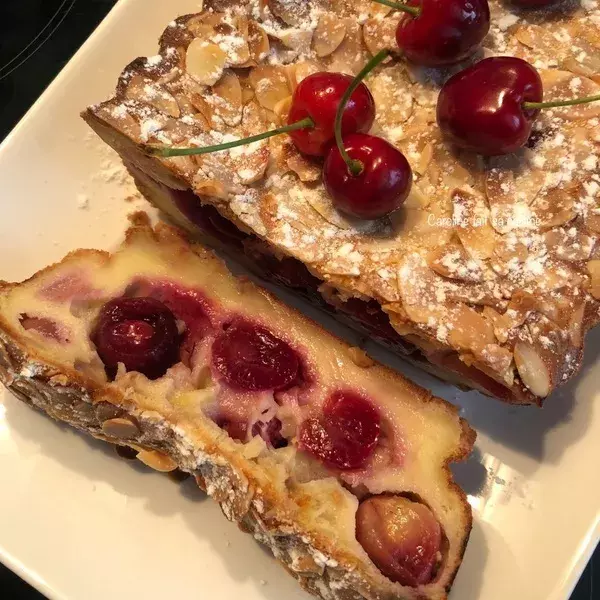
{"x":354,"y":166}
{"x":559,"y":103}
{"x":166,"y":152}
{"x":415,"y":11}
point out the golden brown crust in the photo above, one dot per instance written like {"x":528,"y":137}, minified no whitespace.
{"x":106,"y":413}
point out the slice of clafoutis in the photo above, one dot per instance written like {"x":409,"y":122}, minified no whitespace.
{"x":339,"y":465}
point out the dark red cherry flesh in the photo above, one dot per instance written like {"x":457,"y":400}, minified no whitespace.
{"x":141,"y":333}
{"x":444,"y":32}
{"x":481,"y":108}
{"x":381,"y":187}
{"x":251,"y":358}
{"x":345,"y":435}
{"x":317,"y":97}
{"x":402,"y":537}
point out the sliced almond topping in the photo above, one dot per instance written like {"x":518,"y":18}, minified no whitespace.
{"x":121,"y":428}
{"x":562,"y":85}
{"x":592,"y":221}
{"x":360,"y":358}
{"x":329,"y":34}
{"x":270,"y":85}
{"x":297,"y":40}
{"x":593,"y":268}
{"x":393,"y":98}
{"x":473,"y":228}
{"x":148,"y":92}
{"x":282,"y":109}
{"x":306,"y":170}
{"x":157,"y":461}
{"x":350,"y":56}
{"x":292,"y":12}
{"x":454,"y":262}
{"x":575,"y":326}
{"x":554,"y":208}
{"x":258,"y":43}
{"x":200,"y":29}
{"x":205,"y":62}
{"x":380,"y":34}
{"x":533,"y":370}
{"x":468,"y":330}
{"x":570,"y":244}
{"x":227,"y":99}
{"x":298,"y":71}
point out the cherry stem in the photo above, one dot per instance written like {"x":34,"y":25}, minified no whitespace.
{"x":415,"y":11}
{"x":559,"y":103}
{"x":354,"y":166}
{"x":166,"y":152}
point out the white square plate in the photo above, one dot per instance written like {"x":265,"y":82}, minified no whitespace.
{"x":79,"y":524}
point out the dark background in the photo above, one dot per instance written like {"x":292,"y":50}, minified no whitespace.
{"x":37,"y":38}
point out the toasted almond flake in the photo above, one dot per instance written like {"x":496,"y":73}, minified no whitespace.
{"x":532,"y":369}
{"x":298,"y":71}
{"x":200,"y":29}
{"x":593,"y":267}
{"x":360,"y":358}
{"x":282,"y":109}
{"x":229,"y":92}
{"x":205,"y":62}
{"x":270,"y":85}
{"x":157,"y":461}
{"x":258,"y":43}
{"x":329,"y":34}
{"x":149,"y":92}
{"x":380,"y":34}
{"x":307,"y":170}
{"x":120,"y":428}
{"x":473,"y":224}
{"x":350,"y":56}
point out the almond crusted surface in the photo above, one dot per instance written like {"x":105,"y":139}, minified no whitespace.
{"x":495,"y":260}
{"x":62,"y":379}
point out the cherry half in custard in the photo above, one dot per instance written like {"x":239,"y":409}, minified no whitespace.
{"x":250,"y":358}
{"x":402,"y":538}
{"x":141,"y":333}
{"x":345,"y":435}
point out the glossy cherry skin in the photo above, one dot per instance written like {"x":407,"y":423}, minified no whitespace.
{"x":446,"y":31}
{"x":250,"y":358}
{"x":318,"y":97}
{"x":481,"y":108}
{"x":380,"y":189}
{"x":345,"y":435}
{"x":141,"y":333}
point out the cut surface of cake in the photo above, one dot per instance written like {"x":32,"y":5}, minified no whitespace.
{"x":489,"y":273}
{"x":339,"y":465}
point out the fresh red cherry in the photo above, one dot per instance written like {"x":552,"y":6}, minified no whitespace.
{"x":382,"y":181}
{"x":345,"y":435}
{"x":318,"y":97}
{"x":251,"y":358}
{"x":482,"y":108}
{"x":141,"y":333}
{"x":490,"y":107}
{"x":402,"y":537}
{"x":435,"y":33}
